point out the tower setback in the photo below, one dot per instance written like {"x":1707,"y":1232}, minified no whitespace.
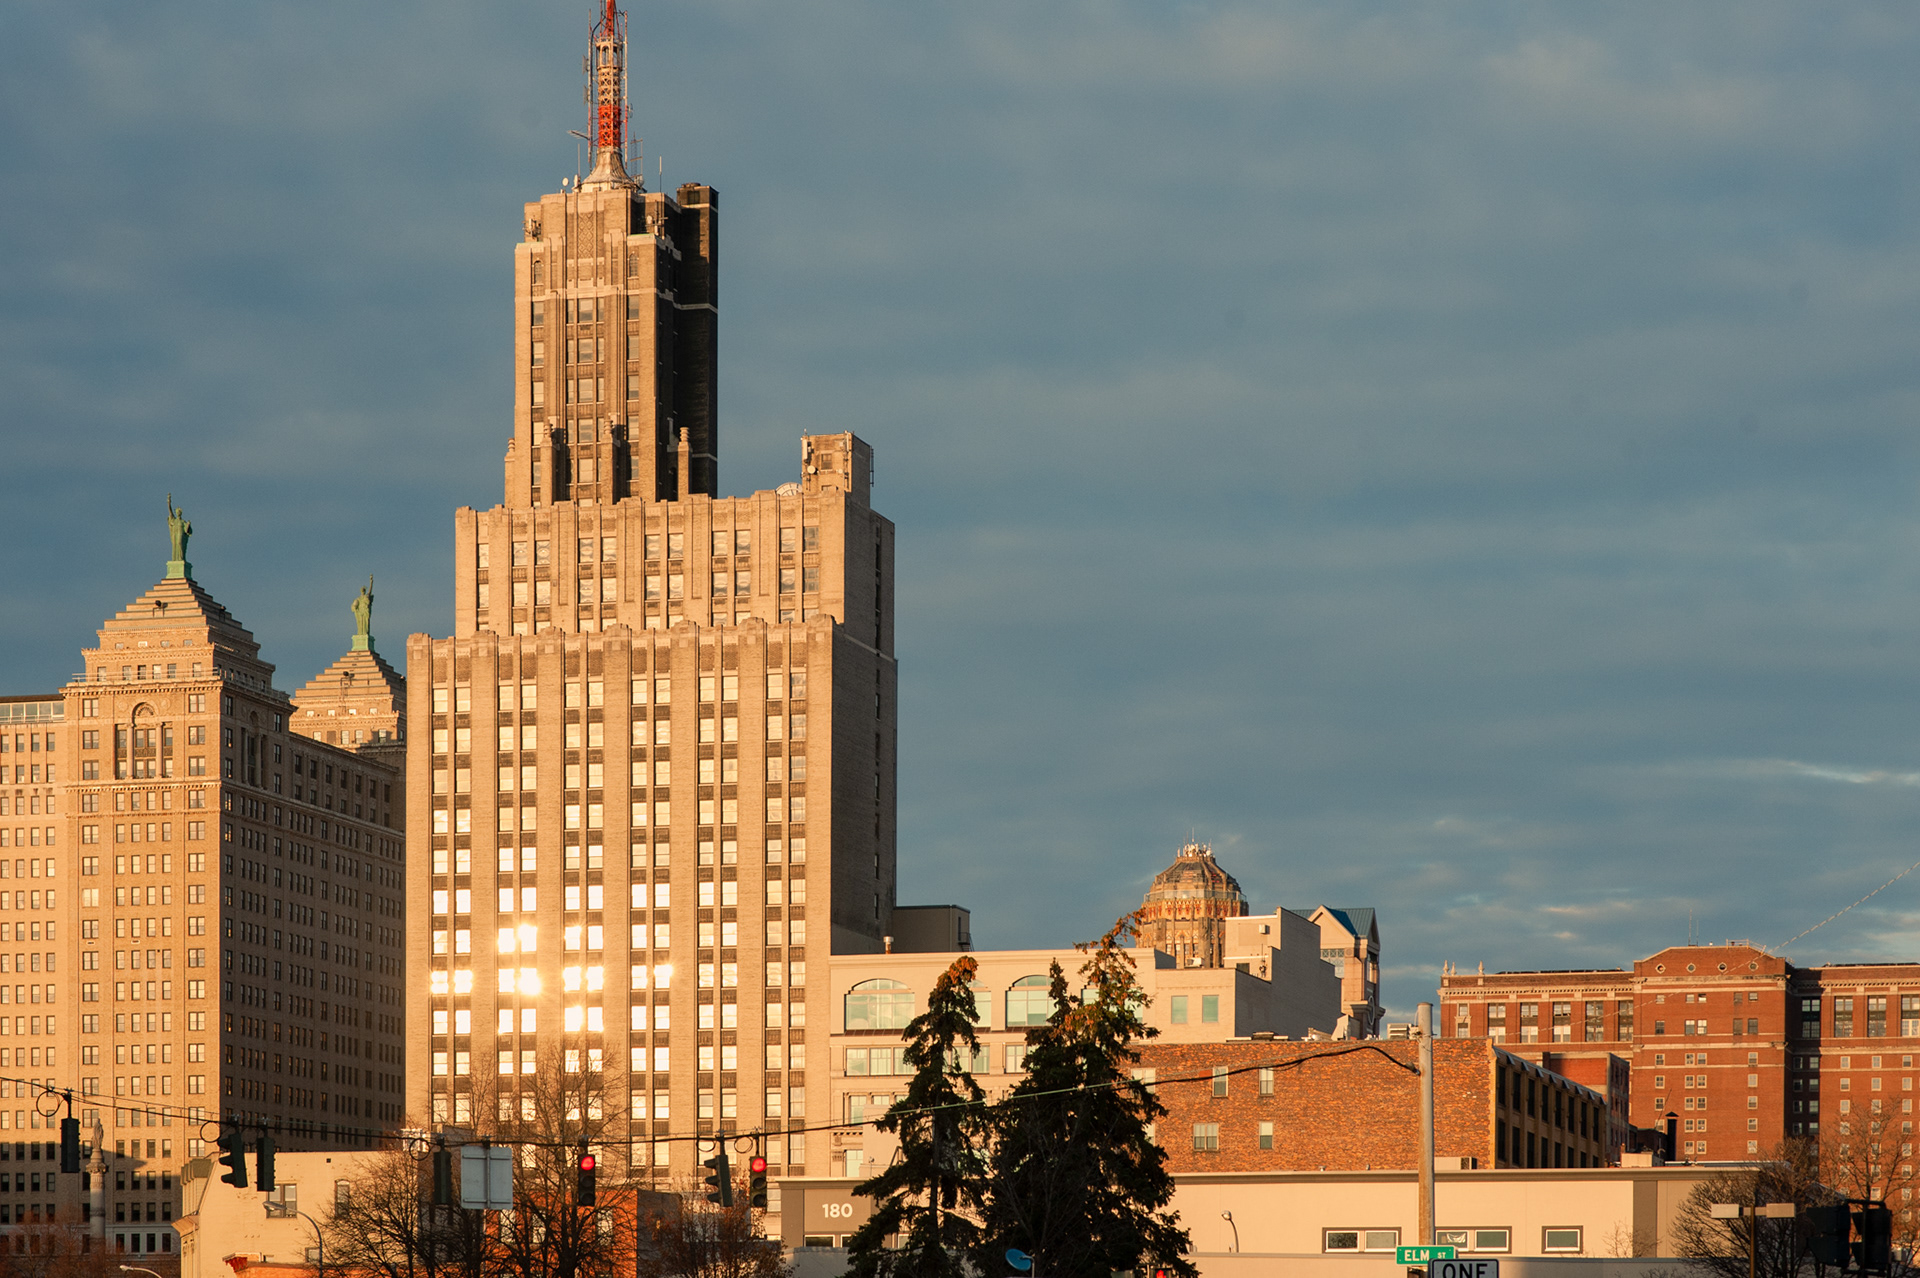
{"x":652,"y":767}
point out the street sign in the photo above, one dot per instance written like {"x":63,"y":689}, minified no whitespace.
{"x":1464,"y":1269}
{"x":1421,"y":1255}
{"x":486,"y":1177}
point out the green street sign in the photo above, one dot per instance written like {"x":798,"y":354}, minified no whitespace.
{"x":1421,"y":1255}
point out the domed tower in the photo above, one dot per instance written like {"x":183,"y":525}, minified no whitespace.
{"x":1187,"y":907}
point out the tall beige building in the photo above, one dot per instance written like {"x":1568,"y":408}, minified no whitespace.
{"x":207,"y":910}
{"x":652,"y":778}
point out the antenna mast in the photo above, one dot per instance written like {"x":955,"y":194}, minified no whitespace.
{"x":607,"y":94}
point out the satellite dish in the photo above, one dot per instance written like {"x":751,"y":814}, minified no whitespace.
{"x":1019,"y":1259}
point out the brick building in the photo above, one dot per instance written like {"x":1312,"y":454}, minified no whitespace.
{"x":1275,"y":1106}
{"x":213,"y":903}
{"x":1737,"y":1044}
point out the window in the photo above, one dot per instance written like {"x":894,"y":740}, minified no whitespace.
{"x":1209,"y":1009}
{"x":1596,"y":1022}
{"x":879,"y":1004}
{"x":1360,"y":1240}
{"x":1266,"y":1135}
{"x":1219,"y":1080}
{"x":1810,"y":1018}
{"x":1177,"y":1009}
{"x":1475,"y":1239}
{"x":1028,"y":1002}
{"x":1554,"y":1239}
{"x":1206,"y":1137}
{"x":1843,"y":1017}
{"x":1266,"y":1081}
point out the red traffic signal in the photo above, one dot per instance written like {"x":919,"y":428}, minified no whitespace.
{"x":586,"y":1162}
{"x":757,"y":1165}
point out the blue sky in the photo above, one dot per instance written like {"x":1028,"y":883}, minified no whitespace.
{"x":1456,"y":459}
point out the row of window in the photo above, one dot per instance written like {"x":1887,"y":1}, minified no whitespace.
{"x":575,"y":695}
{"x":527,"y":981}
{"x":592,"y":896}
{"x":794,"y":849}
{"x":1563,"y":1239}
{"x":606,"y":550}
{"x":527,"y":737}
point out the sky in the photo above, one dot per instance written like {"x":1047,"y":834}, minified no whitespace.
{"x":1454,"y":459}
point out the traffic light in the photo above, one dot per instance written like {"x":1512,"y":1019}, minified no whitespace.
{"x":442,"y":1176}
{"x":584,"y":1177}
{"x":233,"y":1157}
{"x":263,"y":1168}
{"x":1876,"y":1238}
{"x":69,"y":1145}
{"x":720,"y":1180}
{"x":757,"y":1182}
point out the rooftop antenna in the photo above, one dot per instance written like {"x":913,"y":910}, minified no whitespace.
{"x":606,"y":68}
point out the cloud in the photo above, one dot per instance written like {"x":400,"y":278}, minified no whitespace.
{"x":1459,"y":461}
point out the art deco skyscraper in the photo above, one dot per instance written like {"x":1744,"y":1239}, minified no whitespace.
{"x":654,"y":763}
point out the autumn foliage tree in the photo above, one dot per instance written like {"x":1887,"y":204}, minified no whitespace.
{"x":1076,"y":1178}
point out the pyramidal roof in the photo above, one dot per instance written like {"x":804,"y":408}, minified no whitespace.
{"x":177,"y":614}
{"x":352,"y":700}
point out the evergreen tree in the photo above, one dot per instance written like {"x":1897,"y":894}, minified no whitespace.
{"x":931,"y":1195}
{"x":1076,"y":1180}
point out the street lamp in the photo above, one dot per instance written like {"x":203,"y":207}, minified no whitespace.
{"x":319,"y":1243}
{"x":136,"y":1269}
{"x":1228,"y":1217}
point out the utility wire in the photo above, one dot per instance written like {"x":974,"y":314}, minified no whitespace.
{"x":1837,"y":913}
{"x":402,"y":1140}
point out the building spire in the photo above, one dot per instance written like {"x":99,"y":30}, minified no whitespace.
{"x":607,"y":94}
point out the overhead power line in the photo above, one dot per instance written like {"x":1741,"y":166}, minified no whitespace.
{"x":1837,"y":913}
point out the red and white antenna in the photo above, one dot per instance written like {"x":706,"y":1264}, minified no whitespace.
{"x":607,"y":73}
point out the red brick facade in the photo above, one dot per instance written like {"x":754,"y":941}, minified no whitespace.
{"x":1735,"y":1043}
{"x":1352,"y":1106}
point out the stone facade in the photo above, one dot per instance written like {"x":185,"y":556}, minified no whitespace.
{"x":216,"y":906}
{"x":1185,"y":911}
{"x":1350,"y":940}
{"x":653,"y":766}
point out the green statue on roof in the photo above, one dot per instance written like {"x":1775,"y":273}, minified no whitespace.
{"x":178,"y":531}
{"x":363,"y":617}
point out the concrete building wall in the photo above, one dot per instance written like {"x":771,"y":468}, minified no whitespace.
{"x":1614,"y":1212}
{"x":221,"y":1221}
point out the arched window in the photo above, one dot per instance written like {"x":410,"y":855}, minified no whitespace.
{"x":879,"y":1004}
{"x":1027,"y":1002}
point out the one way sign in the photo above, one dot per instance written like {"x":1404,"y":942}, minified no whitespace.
{"x":1463,"y":1269}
